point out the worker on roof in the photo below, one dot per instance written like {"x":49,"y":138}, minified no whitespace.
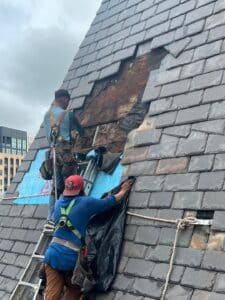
{"x":60,"y":125}
{"x":72,"y":214}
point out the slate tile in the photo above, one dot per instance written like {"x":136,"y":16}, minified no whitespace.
{"x":188,"y":257}
{"x":202,"y":295}
{"x":182,"y":8}
{"x":180,"y":182}
{"x":207,"y":50}
{"x":177,"y":22}
{"x":198,"y":39}
{"x":198,"y":278}
{"x":159,"y":106}
{"x":147,"y":235}
{"x":219,"y":221}
{"x":217,"y":110}
{"x":121,"y":296}
{"x":175,"y":88}
{"x":19,"y":247}
{"x":138,"y":200}
{"x":163,"y":39}
{"x":160,"y":271}
{"x":134,"y":250}
{"x":215,"y":126}
{"x":32,"y":236}
{"x":9,"y":258}
{"x":145,"y":137}
{"x":179,"y":293}
{"x":142,"y":168}
{"x":214,"y":93}
{"x":219,"y":163}
{"x":123,"y":283}
{"x":157,"y":19}
{"x":199,"y":13}
{"x":220,"y":283}
{"x":214,"y":200}
{"x":166,"y":148}
{"x":215,"y":63}
{"x":187,"y":200}
{"x":201,"y":163}
{"x":207,"y":80}
{"x":147,"y":14}
{"x":11,"y":272}
{"x":147,"y":287}
{"x":125,"y":53}
{"x":215,"y":144}
{"x":215,"y":20}
{"x":190,"y":115}
{"x":220,"y":5}
{"x":22,"y":260}
{"x":149,"y":183}
{"x":110,"y":70}
{"x":130,"y":232}
{"x":76,"y":103}
{"x":160,"y":199}
{"x":172,"y":165}
{"x":160,"y":253}
{"x":139,"y":267}
{"x":178,"y":131}
{"x":216,"y":33}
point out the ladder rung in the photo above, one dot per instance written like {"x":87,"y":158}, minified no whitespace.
{"x":38,"y":256}
{"x":32,"y":285}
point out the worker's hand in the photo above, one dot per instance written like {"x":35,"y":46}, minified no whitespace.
{"x":123,"y":190}
{"x":126,"y":185}
{"x":74,"y":134}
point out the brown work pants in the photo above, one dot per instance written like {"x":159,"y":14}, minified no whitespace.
{"x":55,"y":285}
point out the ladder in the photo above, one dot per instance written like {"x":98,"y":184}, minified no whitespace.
{"x":29,"y":286}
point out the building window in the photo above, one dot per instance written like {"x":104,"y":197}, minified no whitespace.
{"x":19,"y":144}
{"x":7,"y":150}
{"x":0,"y":161}
{"x":13,"y":142}
{"x":13,"y":151}
{"x":24,"y":145}
{"x":6,"y":160}
{"x":7,"y":140}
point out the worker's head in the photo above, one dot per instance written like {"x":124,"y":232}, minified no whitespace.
{"x":62,"y":98}
{"x":74,"y":185}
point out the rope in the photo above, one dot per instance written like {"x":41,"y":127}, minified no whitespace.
{"x":180,"y":224}
{"x":24,"y":197}
{"x":54,"y":171}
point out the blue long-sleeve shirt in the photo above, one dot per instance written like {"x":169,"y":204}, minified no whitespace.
{"x":60,"y":257}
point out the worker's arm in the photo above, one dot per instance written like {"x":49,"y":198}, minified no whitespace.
{"x":75,"y":124}
{"x":99,"y":205}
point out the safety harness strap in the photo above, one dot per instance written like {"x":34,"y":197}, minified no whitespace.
{"x":65,"y":211}
{"x":55,"y":124}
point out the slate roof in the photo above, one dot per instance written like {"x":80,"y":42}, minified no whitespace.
{"x":177,"y":155}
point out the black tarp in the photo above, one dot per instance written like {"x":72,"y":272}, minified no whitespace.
{"x":104,"y":240}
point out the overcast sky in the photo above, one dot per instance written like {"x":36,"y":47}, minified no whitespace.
{"x":39,"y":39}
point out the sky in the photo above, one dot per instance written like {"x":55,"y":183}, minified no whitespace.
{"x":39,"y":39}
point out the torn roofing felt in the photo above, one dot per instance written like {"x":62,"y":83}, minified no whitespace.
{"x":177,"y":153}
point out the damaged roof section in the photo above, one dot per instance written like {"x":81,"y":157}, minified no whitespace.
{"x":114,"y":107}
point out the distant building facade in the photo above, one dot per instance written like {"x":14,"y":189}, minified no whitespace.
{"x":13,"y":147}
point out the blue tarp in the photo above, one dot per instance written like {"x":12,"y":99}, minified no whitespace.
{"x":105,"y":182}
{"x":33,"y":184}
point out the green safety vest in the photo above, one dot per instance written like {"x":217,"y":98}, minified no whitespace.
{"x":65,"y":222}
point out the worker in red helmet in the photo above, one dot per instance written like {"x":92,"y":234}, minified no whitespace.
{"x":72,"y":214}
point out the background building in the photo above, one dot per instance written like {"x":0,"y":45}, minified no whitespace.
{"x":13,"y":146}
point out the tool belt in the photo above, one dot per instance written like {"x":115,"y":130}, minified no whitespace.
{"x":65,"y":243}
